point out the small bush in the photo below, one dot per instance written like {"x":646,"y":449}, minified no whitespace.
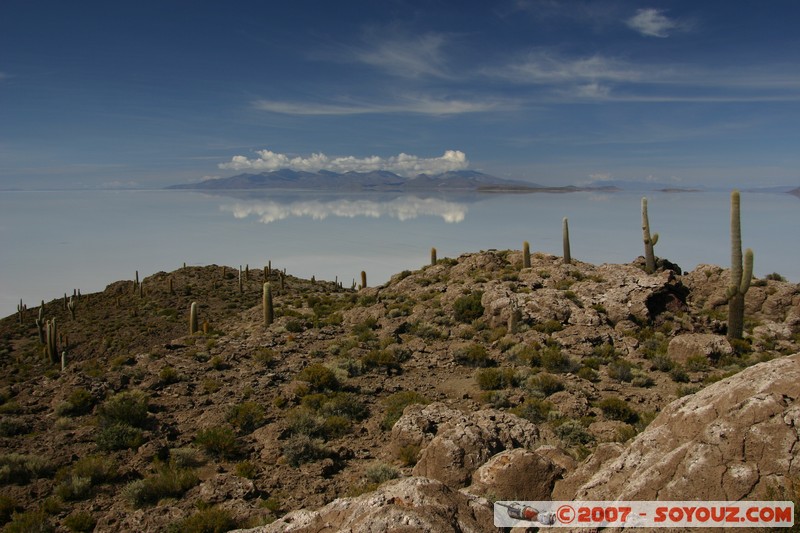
{"x":556,"y":361}
{"x":344,"y":404}
{"x":300,"y":449}
{"x":589,"y":374}
{"x":76,"y":481}
{"x":396,"y":403}
{"x":545,"y":384}
{"x":80,"y":521}
{"x":79,"y":402}
{"x":246,"y":469}
{"x":621,"y":370}
{"x":618,"y":409}
{"x":380,"y":473}
{"x":550,"y":326}
{"x":662,"y":363}
{"x":185,"y":457}
{"x":495,"y":378}
{"x":495,"y":398}
{"x":210,"y":520}
{"x":165,"y":482}
{"x":264,"y":356}
{"x":381,"y":359}
{"x":35,"y":521}
{"x":473,"y":355}
{"x":119,"y":437}
{"x":218,"y":441}
{"x":19,"y":469}
{"x":319,"y":377}
{"x":8,"y":507}
{"x":574,"y":433}
{"x":409,"y":454}
{"x":696,"y":363}
{"x":468,"y":308}
{"x":246,"y":416}
{"x":168,"y":375}
{"x":129,"y":407}
{"x":11,"y":427}
{"x":679,"y":375}
{"x":534,"y":410}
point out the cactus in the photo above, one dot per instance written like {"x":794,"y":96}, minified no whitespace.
{"x":136,"y":282}
{"x":40,"y":325}
{"x":565,"y":241}
{"x":193,"y":319}
{"x":283,"y":280}
{"x":526,"y":255}
{"x":247,"y":272}
{"x":63,"y":361}
{"x":51,"y":338}
{"x":169,"y":285}
{"x":266,"y":274}
{"x":363,"y":280}
{"x":649,"y":242}
{"x":740,"y":274}
{"x":269,"y":312}
{"x":71,"y":307}
{"x":241,"y":289}
{"x":433,"y":256}
{"x":21,"y":308}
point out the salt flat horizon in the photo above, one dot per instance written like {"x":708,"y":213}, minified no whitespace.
{"x":58,"y":241}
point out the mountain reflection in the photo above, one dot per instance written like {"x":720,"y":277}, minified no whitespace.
{"x":402,"y":208}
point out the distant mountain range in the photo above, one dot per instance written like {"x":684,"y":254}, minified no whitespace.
{"x":379,"y":180}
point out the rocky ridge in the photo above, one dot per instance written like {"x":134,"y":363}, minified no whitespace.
{"x":448,"y":378}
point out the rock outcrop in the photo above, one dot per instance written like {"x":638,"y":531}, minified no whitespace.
{"x":408,"y":504}
{"x":736,"y":439}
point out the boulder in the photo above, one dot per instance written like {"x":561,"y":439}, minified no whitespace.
{"x":736,"y":439}
{"x":462,"y":446}
{"x":420,"y":424}
{"x":408,"y":504}
{"x":516,"y":474}
{"x":707,"y":345}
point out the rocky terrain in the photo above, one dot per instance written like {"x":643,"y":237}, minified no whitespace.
{"x":410,"y":406}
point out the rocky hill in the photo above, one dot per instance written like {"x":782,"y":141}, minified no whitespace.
{"x":413,"y":404}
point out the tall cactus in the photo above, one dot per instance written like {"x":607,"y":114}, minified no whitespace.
{"x":565,"y":241}
{"x":51,"y":338}
{"x":433,"y":256}
{"x":649,"y":242}
{"x":526,"y":255}
{"x":740,"y":274}
{"x":21,"y":308}
{"x":71,"y":307}
{"x":267,"y":304}
{"x":363,"y":280}
{"x":193,"y":319}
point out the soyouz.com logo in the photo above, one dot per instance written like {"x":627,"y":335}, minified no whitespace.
{"x":643,"y":514}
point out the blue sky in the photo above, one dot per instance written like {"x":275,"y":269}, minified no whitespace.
{"x":151,"y":93}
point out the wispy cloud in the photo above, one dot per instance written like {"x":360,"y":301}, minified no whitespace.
{"x":652,"y":23}
{"x":403,"y":164}
{"x":405,"y":56}
{"x":541,"y":67}
{"x":414,"y":104}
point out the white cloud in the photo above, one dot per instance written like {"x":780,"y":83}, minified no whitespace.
{"x":402,"y":164}
{"x":600,"y":176}
{"x":652,"y":23}
{"x":405,"y":208}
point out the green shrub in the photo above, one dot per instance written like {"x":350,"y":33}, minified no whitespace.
{"x":218,"y":441}
{"x":8,"y":507}
{"x":549,"y":326}
{"x":545,"y":384}
{"x":80,"y":521}
{"x":246,"y":416}
{"x":344,"y":404}
{"x":168,"y":375}
{"x":11,"y":427}
{"x":264,"y":356}
{"x":621,"y":370}
{"x":34,"y":521}
{"x":662,"y":363}
{"x":185,"y":457}
{"x":300,"y":449}
{"x":246,"y":469}
{"x":618,"y":409}
{"x":473,"y":355}
{"x":556,"y":361}
{"x":495,"y":378}
{"x":696,"y":363}
{"x":166,"y":482}
{"x":589,"y":374}
{"x":76,"y":481}
{"x":679,"y":375}
{"x":409,"y":454}
{"x":119,"y":437}
{"x":79,"y":402}
{"x":319,"y":377}
{"x":381,"y":359}
{"x":468,"y":308}
{"x":129,"y":407}
{"x":380,"y":473}
{"x":19,"y":469}
{"x":210,"y":520}
{"x":396,"y":403}
{"x":534,"y":409}
{"x":574,"y":433}
{"x":495,"y":398}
